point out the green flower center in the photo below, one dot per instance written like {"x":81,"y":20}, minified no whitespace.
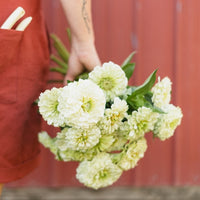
{"x":102,"y":174}
{"x":142,"y":126}
{"x":54,"y":107}
{"x":82,"y":139}
{"x":106,"y":83}
{"x":114,"y":118}
{"x":87,"y":104}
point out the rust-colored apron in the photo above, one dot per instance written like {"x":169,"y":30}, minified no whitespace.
{"x":24,"y":59}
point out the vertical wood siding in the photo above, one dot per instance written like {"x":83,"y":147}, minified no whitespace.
{"x":166,"y":35}
{"x":187,"y":60}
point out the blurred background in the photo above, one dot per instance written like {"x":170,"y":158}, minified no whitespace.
{"x":166,"y":35}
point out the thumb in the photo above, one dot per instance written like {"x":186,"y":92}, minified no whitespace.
{"x":74,"y":69}
{"x":68,"y":77}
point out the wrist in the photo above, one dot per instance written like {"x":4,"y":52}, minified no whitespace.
{"x":86,"y":54}
{"x":82,"y":40}
{"x":83,"y":46}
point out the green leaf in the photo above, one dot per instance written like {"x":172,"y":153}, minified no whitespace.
{"x":128,"y":59}
{"x":158,"y":110}
{"x":36,"y":102}
{"x":153,"y":108}
{"x":59,"y":70}
{"x":128,"y":69}
{"x":136,"y":102}
{"x":148,"y":96}
{"x":82,"y":76}
{"x":68,"y":81}
{"x":143,"y":100}
{"x":58,"y":157}
{"x":140,"y":101}
{"x":69,"y":34}
{"x":145,"y":87}
{"x":60,"y":47}
{"x":59,"y":62}
{"x":141,"y":95}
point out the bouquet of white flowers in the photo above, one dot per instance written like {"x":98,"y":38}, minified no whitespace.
{"x":103,"y":121}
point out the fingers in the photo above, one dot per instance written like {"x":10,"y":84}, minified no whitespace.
{"x":89,"y":58}
{"x":92,"y":62}
{"x":14,"y":17}
{"x":78,"y":62}
{"x":74,"y":68}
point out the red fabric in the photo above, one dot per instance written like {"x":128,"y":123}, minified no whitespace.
{"x":24,"y":58}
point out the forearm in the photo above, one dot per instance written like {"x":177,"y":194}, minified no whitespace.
{"x":78,"y":13}
{"x":83,"y":55}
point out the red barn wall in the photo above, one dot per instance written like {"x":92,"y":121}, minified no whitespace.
{"x":166,"y":35}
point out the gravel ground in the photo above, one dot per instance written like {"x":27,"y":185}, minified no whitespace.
{"x":113,"y":193}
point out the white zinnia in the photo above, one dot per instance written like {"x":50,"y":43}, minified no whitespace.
{"x":113,"y":116}
{"x":134,"y":153}
{"x":100,"y":172}
{"x":141,"y":122}
{"x":110,"y":78}
{"x":119,"y":142}
{"x":167,"y":123}
{"x":61,"y":141}
{"x":162,"y":92}
{"x":70,"y":155}
{"x":82,"y":103}
{"x":48,"y":107}
{"x":104,"y":143}
{"x":47,"y":141}
{"x":78,"y":139}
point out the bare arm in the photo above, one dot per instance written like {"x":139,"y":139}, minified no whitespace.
{"x":78,"y":13}
{"x":83,"y":51}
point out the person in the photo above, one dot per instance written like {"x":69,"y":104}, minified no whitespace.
{"x":24,"y":60}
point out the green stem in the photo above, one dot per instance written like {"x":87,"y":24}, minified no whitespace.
{"x":60,"y":47}
{"x":69,"y":34}
{"x":55,"y":81}
{"x":59,"y":62}
{"x":59,"y":70}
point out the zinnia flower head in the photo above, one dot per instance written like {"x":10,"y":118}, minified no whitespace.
{"x":48,"y":107}
{"x":110,"y":78}
{"x":61,"y":141}
{"x":133,"y":154}
{"x":70,"y":155}
{"x":99,"y":172}
{"x":113,"y":116}
{"x":78,"y":139}
{"x":141,"y":122}
{"x":82,"y":104}
{"x":47,"y":142}
{"x":119,"y":106}
{"x":104,"y":143}
{"x":167,"y":123}
{"x":162,"y":92}
{"x":119,"y":142}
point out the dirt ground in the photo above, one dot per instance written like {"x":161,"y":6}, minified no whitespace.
{"x":113,"y":193}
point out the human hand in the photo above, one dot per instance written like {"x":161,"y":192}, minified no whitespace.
{"x":82,"y":57}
